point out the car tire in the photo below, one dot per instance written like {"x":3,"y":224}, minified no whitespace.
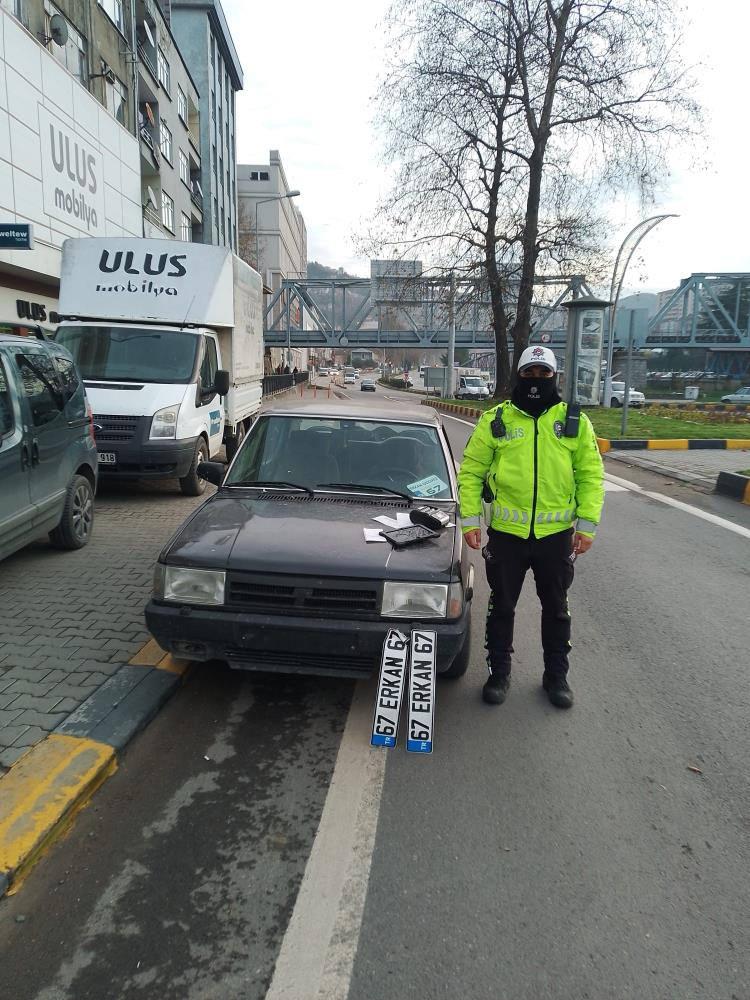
{"x":614,"y":403}
{"x":461,"y":662}
{"x":77,"y":521}
{"x":192,"y":485}
{"x":234,"y":441}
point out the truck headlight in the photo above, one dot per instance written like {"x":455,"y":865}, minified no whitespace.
{"x":189,"y":586}
{"x":164,"y":422}
{"x":414,"y":600}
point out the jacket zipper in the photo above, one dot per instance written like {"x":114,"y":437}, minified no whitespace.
{"x":533,"y":499}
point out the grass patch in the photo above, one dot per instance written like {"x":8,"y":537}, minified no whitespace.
{"x":607,"y":422}
{"x":744,"y":472}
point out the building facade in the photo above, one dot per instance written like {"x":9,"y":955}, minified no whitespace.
{"x":203,"y":36}
{"x":69,"y":165}
{"x":272,"y":234}
{"x":168,"y":131}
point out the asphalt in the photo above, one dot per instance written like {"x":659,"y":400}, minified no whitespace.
{"x":599,"y":853}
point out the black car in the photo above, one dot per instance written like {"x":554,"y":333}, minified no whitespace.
{"x":274,"y":571}
{"x":367,"y":385}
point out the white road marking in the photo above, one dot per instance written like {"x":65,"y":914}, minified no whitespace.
{"x":317,"y":954}
{"x":720,"y":522}
{"x":613,"y":487}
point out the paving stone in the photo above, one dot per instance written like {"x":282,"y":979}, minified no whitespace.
{"x":28,"y":687}
{"x":10,"y":755}
{"x":6,"y":700}
{"x":46,"y":722}
{"x":11,"y":734}
{"x":30,"y":702}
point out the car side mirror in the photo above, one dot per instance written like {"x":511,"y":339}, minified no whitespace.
{"x":212,"y":472}
{"x":221,"y":382}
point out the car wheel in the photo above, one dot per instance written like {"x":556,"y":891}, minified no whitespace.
{"x":192,"y":485}
{"x":461,"y":663}
{"x":77,"y":521}
{"x":234,"y":442}
{"x":614,"y":402}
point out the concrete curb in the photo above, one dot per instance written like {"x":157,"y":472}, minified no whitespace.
{"x":735,"y":485}
{"x":631,"y":460}
{"x":44,"y":789}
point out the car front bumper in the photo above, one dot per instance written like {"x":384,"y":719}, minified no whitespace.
{"x":288,"y":644}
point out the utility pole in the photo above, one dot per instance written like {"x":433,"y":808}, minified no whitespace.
{"x":449,"y":382}
{"x":626,"y":397}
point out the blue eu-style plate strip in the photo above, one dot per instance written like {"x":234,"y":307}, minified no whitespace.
{"x":419,"y":746}
{"x":382,"y":741}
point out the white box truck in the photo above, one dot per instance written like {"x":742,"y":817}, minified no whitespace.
{"x":168,"y":337}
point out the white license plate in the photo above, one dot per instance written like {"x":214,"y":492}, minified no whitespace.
{"x":107,"y":458}
{"x":421,"y":724}
{"x":390,"y":689}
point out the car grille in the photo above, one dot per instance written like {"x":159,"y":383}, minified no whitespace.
{"x":115,"y":428}
{"x":300,"y":663}
{"x":352,"y":599}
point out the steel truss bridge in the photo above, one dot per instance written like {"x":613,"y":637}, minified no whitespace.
{"x":709,"y":311}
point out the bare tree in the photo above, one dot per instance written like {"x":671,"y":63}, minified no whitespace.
{"x":247,"y":237}
{"x":510,"y":122}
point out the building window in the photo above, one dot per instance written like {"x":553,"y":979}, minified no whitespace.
{"x":223,"y":231}
{"x":186,"y":230}
{"x":213,"y":51}
{"x":182,"y":110}
{"x":72,"y":55}
{"x":115,"y":96}
{"x":213,"y":106}
{"x":162,"y":65}
{"x":184,"y":167}
{"x":165,"y":141}
{"x":113,"y":10}
{"x":263,"y":176}
{"x":167,"y":211}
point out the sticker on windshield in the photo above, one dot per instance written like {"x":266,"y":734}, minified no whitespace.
{"x":427,"y":487}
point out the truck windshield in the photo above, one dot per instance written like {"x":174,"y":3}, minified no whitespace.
{"x":475,"y":381}
{"x":133,"y":354}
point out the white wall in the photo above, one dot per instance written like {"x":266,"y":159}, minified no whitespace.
{"x":66,"y":165}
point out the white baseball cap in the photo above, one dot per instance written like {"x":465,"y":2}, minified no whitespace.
{"x":538,"y":356}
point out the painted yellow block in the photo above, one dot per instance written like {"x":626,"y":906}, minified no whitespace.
{"x":739,"y":443}
{"x":42,"y":792}
{"x":667,"y":444}
{"x":746,"y":497}
{"x":148,"y":655}
{"x":174,"y":666}
{"x":604,"y":445}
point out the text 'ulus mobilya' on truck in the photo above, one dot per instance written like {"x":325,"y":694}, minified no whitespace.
{"x":150,"y":323}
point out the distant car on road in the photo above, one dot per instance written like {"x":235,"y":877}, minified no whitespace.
{"x":367,"y":385}
{"x":635,"y":398}
{"x":274,"y":572}
{"x":323,"y":372}
{"x":48,"y":457}
{"x":350,"y":378}
{"x":741,"y":396}
{"x":472,"y":387}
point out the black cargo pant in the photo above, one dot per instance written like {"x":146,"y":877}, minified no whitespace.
{"x":507,"y":558}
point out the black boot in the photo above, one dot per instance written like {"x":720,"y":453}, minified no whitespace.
{"x":558,"y":690}
{"x":495,"y":691}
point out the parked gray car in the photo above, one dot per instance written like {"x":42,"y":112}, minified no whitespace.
{"x":48,"y":460}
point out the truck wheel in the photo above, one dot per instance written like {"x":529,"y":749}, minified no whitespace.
{"x":461,"y":663}
{"x":191,"y":484}
{"x":77,"y":521}
{"x":234,"y":441}
{"x":614,"y":403}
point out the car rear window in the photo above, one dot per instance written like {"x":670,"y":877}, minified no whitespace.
{"x":311,"y":452}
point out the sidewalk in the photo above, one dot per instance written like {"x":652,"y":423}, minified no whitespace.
{"x":700,"y":467}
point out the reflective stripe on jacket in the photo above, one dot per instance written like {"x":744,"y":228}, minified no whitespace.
{"x":534,"y":473}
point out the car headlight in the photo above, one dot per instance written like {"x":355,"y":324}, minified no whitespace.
{"x":414,"y":600}
{"x":189,"y":586}
{"x":164,"y":422}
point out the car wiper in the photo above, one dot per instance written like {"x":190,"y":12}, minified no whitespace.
{"x":262,"y":483}
{"x":364,"y":487}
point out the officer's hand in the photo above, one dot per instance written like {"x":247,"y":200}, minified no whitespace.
{"x":473,"y":538}
{"x":581,"y":543}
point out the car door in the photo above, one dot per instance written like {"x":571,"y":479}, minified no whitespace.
{"x":16,"y":508}
{"x":212,"y":401}
{"x":51,"y":458}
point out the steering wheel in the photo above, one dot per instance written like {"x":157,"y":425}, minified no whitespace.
{"x":395,"y":472}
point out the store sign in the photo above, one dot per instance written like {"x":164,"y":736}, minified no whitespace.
{"x":16,"y":236}
{"x":72,"y":176}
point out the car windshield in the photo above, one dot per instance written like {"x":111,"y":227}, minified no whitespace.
{"x":474,"y":381}
{"x":136,"y":354}
{"x":314,"y":451}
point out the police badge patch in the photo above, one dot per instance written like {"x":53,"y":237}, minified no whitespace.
{"x":559,"y":427}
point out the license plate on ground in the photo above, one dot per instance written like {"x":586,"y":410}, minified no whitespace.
{"x":107,"y":458}
{"x":421,"y":719}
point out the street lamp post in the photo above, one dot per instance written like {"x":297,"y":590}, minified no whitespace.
{"x":637,"y":234}
{"x":263,"y":201}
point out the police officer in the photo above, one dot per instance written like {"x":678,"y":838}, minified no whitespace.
{"x":536,"y":461}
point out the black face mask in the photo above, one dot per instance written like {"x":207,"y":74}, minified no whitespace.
{"x":535,"y":395}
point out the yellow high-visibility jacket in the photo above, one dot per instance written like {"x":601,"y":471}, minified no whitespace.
{"x":536,"y":475}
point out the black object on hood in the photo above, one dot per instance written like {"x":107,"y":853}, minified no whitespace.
{"x":535,"y":395}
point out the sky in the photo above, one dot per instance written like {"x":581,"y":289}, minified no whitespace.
{"x":310,"y":72}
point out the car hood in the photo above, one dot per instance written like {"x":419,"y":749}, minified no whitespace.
{"x":316,"y":537}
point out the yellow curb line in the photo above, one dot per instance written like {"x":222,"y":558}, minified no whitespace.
{"x":40,"y":795}
{"x":738,"y":443}
{"x":148,"y":655}
{"x":173,"y":665}
{"x":667,"y":444}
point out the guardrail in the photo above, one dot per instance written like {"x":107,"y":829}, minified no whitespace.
{"x":274,"y":384}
